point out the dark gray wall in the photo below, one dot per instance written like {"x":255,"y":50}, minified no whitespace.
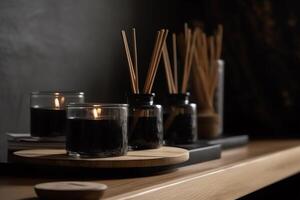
{"x":70,"y":45}
{"x":76,"y":45}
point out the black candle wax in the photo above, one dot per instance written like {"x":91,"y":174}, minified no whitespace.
{"x":101,"y":138}
{"x":182,"y":129}
{"x":47,"y":122}
{"x":145,"y":133}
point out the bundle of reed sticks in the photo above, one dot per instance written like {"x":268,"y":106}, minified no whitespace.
{"x":161,"y":37}
{"x":172,"y":75}
{"x":208,"y":51}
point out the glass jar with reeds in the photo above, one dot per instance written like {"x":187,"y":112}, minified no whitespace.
{"x":145,"y":122}
{"x":208,"y":83}
{"x":180,"y":116}
{"x":145,"y":129}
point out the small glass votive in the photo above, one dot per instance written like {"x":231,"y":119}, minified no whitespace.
{"x":48,"y":112}
{"x":145,"y":124}
{"x":180,"y":120}
{"x":96,"y":130}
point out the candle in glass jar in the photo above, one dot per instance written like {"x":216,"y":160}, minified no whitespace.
{"x":96,"y":130}
{"x":48,"y":114}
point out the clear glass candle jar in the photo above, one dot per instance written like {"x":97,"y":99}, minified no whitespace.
{"x":145,"y":123}
{"x":96,"y":130}
{"x":180,"y":120}
{"x":48,"y":112}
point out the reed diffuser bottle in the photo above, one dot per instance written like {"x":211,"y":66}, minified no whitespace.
{"x":145,"y":123}
{"x":180,"y":123}
{"x":208,"y":81}
{"x":180,"y":116}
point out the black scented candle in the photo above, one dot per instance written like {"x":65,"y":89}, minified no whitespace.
{"x":47,"y":122}
{"x":101,"y":138}
{"x":180,"y":120}
{"x":96,"y":130}
{"x":145,"y":125}
{"x":48,"y":113}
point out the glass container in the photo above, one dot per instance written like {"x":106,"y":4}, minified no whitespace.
{"x":180,"y":120}
{"x":96,"y":130}
{"x":145,"y":128}
{"x":210,"y":124}
{"x":48,"y":112}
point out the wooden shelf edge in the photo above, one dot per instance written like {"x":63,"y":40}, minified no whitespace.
{"x":227,"y":182}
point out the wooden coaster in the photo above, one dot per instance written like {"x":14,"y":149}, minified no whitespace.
{"x":164,"y":156}
{"x":70,"y":190}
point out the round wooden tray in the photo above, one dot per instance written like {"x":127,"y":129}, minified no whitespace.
{"x":163,"y":156}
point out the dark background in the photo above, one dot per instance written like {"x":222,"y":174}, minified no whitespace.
{"x":76,"y":45}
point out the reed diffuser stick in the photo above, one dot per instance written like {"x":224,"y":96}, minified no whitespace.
{"x":190,"y":60}
{"x":219,"y":40}
{"x":186,"y":62}
{"x":207,"y":53}
{"x":164,"y":37}
{"x":168,"y":70}
{"x":135,"y":60}
{"x":175,"y":61}
{"x":202,"y":81}
{"x":146,"y":85}
{"x":186,"y":32}
{"x":129,"y":60}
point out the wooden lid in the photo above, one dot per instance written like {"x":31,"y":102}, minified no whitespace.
{"x":70,"y":190}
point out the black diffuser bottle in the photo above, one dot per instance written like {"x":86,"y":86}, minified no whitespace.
{"x":145,"y":123}
{"x":180,"y":120}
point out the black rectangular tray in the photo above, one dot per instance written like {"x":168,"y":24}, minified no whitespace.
{"x":227,"y":141}
{"x":201,"y":153}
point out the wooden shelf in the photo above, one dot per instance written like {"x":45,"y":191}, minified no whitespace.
{"x":239,"y":172}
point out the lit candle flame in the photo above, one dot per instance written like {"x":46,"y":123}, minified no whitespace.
{"x":96,"y":112}
{"x":62,"y":100}
{"x":56,"y":103}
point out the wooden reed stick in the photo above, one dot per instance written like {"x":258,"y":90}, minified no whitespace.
{"x":135,"y":59}
{"x":147,"y":82}
{"x":199,"y":88}
{"x":151,"y":68}
{"x":165,"y":34}
{"x":204,"y":51}
{"x":175,"y":62}
{"x":186,"y":60}
{"x":203,"y":79}
{"x":190,"y":60}
{"x":211,"y":51}
{"x":153,"y":65}
{"x":129,"y":60}
{"x":219,"y":40}
{"x":207,"y":53}
{"x":168,"y":70}
{"x":186,"y":30}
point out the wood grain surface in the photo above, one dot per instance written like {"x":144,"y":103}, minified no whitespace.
{"x":239,"y":172}
{"x":77,"y":190}
{"x":144,"y":158}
